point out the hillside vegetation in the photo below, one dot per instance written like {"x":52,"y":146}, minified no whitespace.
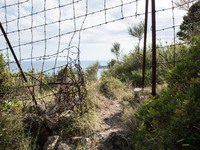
{"x":82,"y":112}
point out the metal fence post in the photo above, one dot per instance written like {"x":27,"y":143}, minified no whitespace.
{"x":153,"y":49}
{"x":145,"y":43}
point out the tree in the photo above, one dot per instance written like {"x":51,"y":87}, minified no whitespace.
{"x":138,"y":32}
{"x":184,"y":4}
{"x":190,"y":26}
{"x":116,"y":50}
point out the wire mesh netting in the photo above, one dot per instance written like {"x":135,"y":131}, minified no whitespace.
{"x":48,"y":37}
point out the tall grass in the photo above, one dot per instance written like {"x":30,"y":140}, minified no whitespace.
{"x":12,"y":135}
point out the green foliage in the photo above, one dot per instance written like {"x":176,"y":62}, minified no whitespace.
{"x":137,"y":77}
{"x":68,"y":73}
{"x":48,"y":79}
{"x":91,"y":72}
{"x":12,"y":136}
{"x":65,"y":74}
{"x":6,"y":81}
{"x":129,"y":69}
{"x":190,"y":26}
{"x":116,"y":50}
{"x":172,"y":121}
{"x":112,"y":63}
{"x":76,"y":125}
{"x":167,"y":57}
{"x":12,"y":106}
{"x":137,"y":31}
{"x":184,"y":4}
{"x":110,"y":87}
{"x":37,"y":78}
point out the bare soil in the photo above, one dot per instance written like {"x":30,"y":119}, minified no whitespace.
{"x":110,"y":117}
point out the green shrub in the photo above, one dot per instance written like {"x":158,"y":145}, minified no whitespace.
{"x":172,"y":120}
{"x":112,"y":63}
{"x":12,"y":136}
{"x":13,"y":106}
{"x":129,"y":69}
{"x":6,"y":81}
{"x":111,"y":87}
{"x":76,"y":125}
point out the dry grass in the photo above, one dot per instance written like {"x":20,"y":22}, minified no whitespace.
{"x":12,"y":136}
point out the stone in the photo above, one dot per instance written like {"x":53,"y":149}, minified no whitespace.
{"x":62,"y":145}
{"x":137,"y":90}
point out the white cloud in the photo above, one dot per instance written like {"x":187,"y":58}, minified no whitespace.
{"x":95,"y":41}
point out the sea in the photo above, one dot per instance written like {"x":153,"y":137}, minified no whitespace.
{"x":49,"y":66}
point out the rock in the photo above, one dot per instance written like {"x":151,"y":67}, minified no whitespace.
{"x":115,"y":141}
{"x":51,"y":143}
{"x":62,"y":145}
{"x":137,"y":90}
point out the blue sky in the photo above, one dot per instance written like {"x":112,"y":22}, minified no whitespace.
{"x":94,"y":43}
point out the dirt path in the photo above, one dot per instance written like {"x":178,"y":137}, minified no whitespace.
{"x":110,"y":118}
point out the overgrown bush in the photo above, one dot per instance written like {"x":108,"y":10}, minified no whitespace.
{"x":12,"y":106}
{"x":6,"y":81}
{"x":76,"y":125}
{"x":172,"y":120}
{"x":12,"y":136}
{"x":129,"y":69}
{"x":111,"y":87}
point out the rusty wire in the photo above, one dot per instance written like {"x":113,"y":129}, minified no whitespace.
{"x":68,"y":90}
